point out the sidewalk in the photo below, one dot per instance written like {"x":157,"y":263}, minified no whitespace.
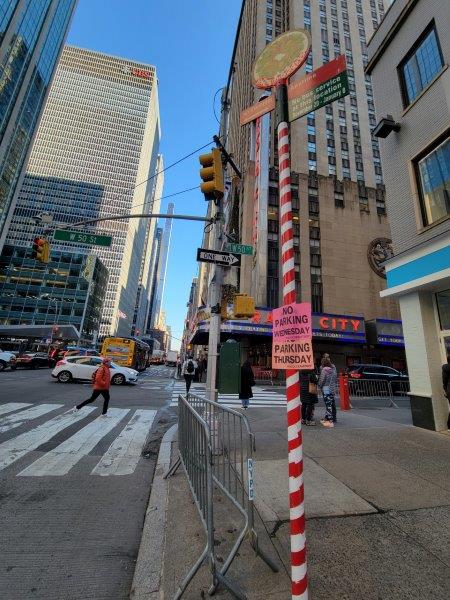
{"x":377,"y":504}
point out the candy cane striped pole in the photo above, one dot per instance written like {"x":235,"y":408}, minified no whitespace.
{"x":296,"y":488}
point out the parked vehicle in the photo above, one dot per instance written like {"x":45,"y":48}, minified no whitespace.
{"x":74,"y":351}
{"x":82,"y":368}
{"x":397,"y":379}
{"x":7,"y":359}
{"x":33,"y":360}
{"x":171,"y":358}
{"x":157,"y":357}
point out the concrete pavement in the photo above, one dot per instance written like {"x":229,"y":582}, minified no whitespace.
{"x":377,"y":505}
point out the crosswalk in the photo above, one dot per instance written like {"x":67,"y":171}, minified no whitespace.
{"x":157,"y":371}
{"x":121,"y":458}
{"x":261,"y":397}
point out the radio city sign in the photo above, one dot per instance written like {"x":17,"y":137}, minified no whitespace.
{"x":142,"y":73}
{"x":339,"y":327}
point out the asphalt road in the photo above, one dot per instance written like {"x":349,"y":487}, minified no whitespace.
{"x":74,"y":487}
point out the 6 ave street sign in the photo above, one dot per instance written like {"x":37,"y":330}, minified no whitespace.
{"x":239,"y":248}
{"x":225,"y":259}
{"x":79,"y":237}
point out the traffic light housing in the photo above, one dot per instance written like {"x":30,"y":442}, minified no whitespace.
{"x":244,"y":306}
{"x":41,"y":250}
{"x":212,"y":174}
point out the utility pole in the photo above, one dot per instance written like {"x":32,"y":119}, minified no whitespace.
{"x":215,"y":288}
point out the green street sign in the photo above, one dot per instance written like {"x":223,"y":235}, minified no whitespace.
{"x":239,"y":248}
{"x":318,"y":88}
{"x":325,"y":93}
{"x":80,"y":237}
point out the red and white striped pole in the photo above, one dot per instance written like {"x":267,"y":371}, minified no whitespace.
{"x":296,"y":488}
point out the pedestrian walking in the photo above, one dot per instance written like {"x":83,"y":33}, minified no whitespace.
{"x":308,"y":395}
{"x":101,"y":381}
{"x":178,"y":368}
{"x":247,"y":382}
{"x":328,"y":386}
{"x":189,"y":368}
{"x":446,"y":384}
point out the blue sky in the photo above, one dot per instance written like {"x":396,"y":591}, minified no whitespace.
{"x":190,"y":43}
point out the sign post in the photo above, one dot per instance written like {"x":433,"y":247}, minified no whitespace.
{"x":276,"y":63}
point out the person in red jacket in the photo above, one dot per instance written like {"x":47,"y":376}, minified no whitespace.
{"x":101,"y":381}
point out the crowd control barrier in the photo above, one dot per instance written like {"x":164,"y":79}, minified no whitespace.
{"x":377,"y":388}
{"x":215,"y":446}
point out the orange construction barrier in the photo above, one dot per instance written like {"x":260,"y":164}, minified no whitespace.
{"x":344,"y":396}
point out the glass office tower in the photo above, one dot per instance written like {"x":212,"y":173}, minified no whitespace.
{"x":96,"y":155}
{"x":32,"y":33}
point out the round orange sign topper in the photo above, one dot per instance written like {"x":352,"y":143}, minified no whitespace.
{"x":281,"y":58}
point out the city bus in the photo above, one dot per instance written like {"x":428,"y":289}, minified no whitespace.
{"x":127,"y":352}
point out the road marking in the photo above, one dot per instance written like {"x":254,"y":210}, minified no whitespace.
{"x":20,"y":418}
{"x":20,"y":445}
{"x":123,"y":455}
{"x":12,"y":406}
{"x":61,"y":459}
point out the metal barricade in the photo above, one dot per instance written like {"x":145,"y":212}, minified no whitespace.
{"x":230,"y":445}
{"x":377,"y":389}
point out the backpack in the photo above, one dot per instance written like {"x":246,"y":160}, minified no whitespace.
{"x":190,"y":368}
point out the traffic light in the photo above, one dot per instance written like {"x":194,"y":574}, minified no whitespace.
{"x":244,"y":306}
{"x":212,"y":174}
{"x":41,"y":250}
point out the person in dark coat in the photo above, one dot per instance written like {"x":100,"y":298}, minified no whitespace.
{"x":446,"y":383}
{"x":247,"y":381}
{"x":308,"y":395}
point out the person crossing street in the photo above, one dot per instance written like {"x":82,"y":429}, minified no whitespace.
{"x":101,"y":381}
{"x":189,"y":368}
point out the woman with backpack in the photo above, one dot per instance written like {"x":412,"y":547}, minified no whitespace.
{"x":328,"y":386}
{"x":101,"y":381}
{"x":188,"y":371}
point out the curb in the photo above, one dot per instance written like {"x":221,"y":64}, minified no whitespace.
{"x":148,"y":570}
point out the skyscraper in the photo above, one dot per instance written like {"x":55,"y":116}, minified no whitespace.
{"x":162,"y":269}
{"x":96,"y":155}
{"x":32,"y":33}
{"x":341,"y":229}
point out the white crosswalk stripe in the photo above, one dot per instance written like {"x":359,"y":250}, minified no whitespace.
{"x":61,"y":459}
{"x":17,"y":447}
{"x":261,"y":397}
{"x":18,"y":419}
{"x":12,"y":406}
{"x":123,"y":454}
{"x":121,"y":458}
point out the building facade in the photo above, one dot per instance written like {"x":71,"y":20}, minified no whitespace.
{"x":96,"y":155}
{"x":408,"y":61}
{"x":341,"y":229}
{"x":31,"y":37}
{"x":69,"y":290}
{"x":163,"y":255}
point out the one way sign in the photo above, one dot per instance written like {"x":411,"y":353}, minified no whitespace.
{"x":226,"y":259}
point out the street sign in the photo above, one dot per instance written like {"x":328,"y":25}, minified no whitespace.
{"x":239,"y":248}
{"x":318,"y":88}
{"x":281,"y":58}
{"x":225,"y":259}
{"x":79,"y":237}
{"x":257,"y":110}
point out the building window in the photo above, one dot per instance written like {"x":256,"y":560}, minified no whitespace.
{"x":433,"y":181}
{"x":421,"y":65}
{"x":339,"y":200}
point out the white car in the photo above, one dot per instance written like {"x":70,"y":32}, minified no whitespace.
{"x":7,"y":359}
{"x":82,"y":367}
